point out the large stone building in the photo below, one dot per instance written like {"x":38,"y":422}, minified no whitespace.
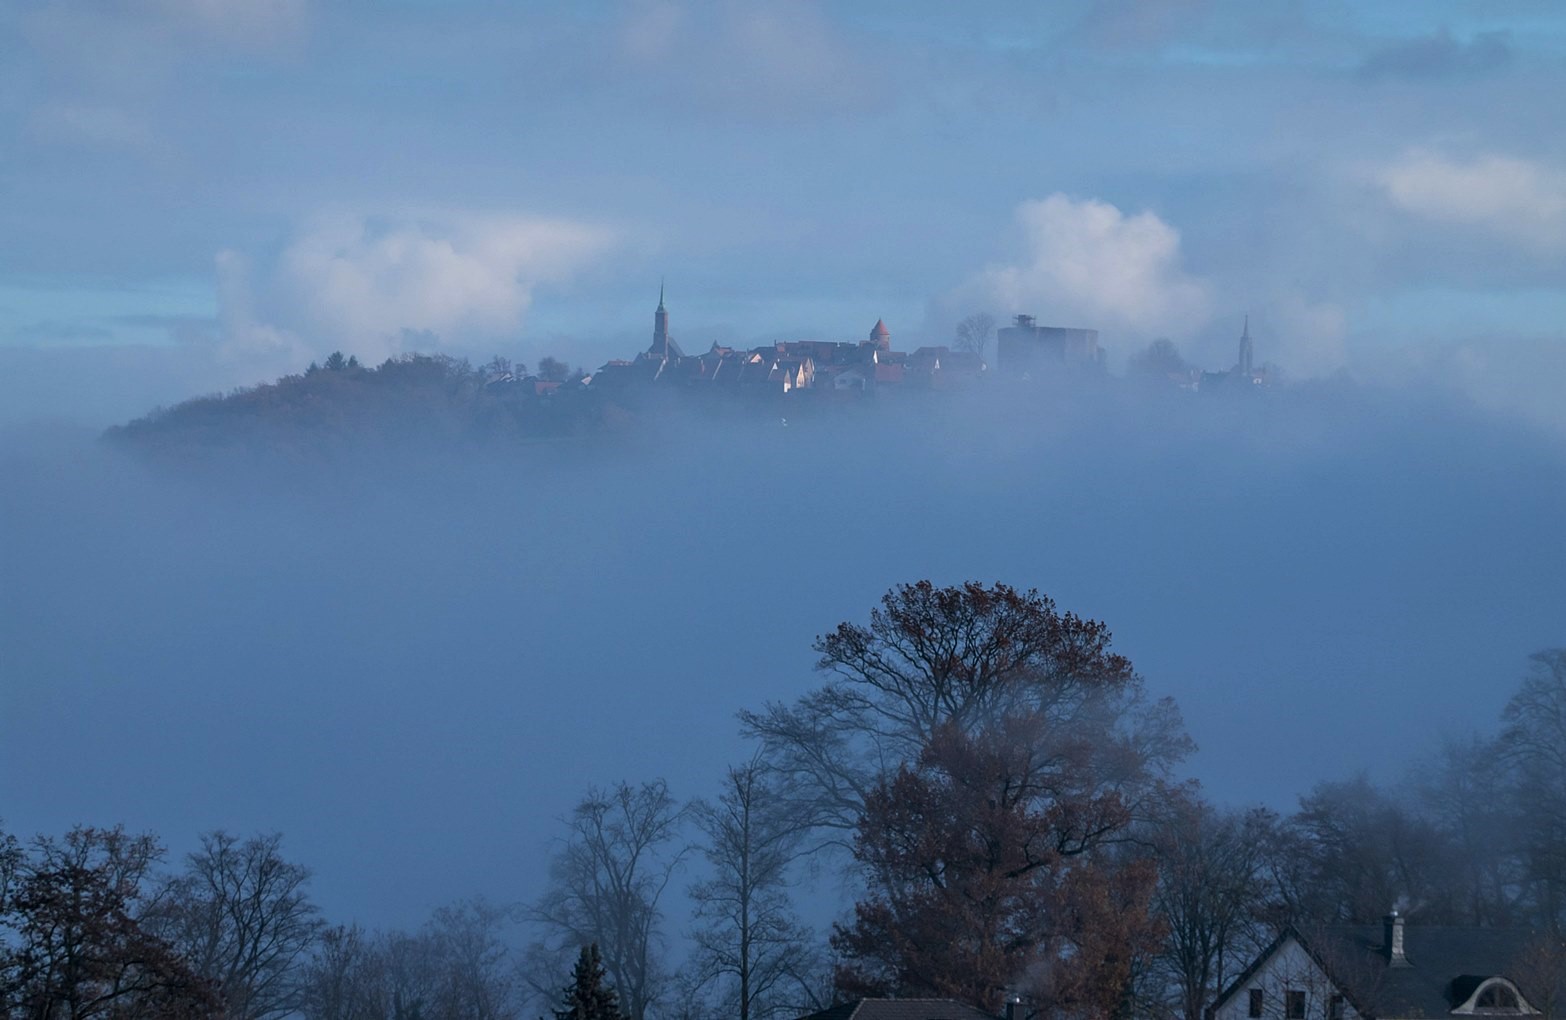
{"x":1027,"y":350}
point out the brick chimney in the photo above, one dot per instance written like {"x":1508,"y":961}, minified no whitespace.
{"x":1392,"y":945}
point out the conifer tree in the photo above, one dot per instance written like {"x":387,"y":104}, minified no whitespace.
{"x":587,"y":997}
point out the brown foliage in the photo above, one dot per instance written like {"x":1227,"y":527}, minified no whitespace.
{"x":74,"y":946}
{"x":985,"y":879}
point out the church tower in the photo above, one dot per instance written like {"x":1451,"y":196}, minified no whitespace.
{"x":660,"y":344}
{"x":881,"y":337}
{"x":1247,"y":352}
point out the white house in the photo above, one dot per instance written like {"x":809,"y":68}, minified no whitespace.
{"x":1398,"y":972}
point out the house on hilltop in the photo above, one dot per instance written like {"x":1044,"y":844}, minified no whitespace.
{"x":1399,"y":972}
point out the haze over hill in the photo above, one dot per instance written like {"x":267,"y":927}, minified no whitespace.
{"x":431,"y":650}
{"x":292,"y":543}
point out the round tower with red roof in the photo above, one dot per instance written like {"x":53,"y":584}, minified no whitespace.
{"x":880,"y":336}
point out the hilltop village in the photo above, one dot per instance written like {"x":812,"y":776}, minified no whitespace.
{"x":1024,"y":351}
{"x":432,"y":397}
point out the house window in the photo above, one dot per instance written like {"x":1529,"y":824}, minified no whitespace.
{"x":1256,"y":1003}
{"x":1293,"y":1005}
{"x":1497,"y":997}
{"x":1335,"y":1008}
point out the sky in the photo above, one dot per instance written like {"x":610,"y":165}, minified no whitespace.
{"x":203,"y":194}
{"x":434,"y":658}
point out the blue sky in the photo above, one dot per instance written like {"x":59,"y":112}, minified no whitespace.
{"x":237,"y":186}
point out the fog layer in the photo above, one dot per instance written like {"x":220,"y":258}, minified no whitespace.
{"x":413,"y":665}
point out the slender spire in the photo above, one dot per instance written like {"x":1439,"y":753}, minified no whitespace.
{"x":1247,"y":350}
{"x":660,"y":293}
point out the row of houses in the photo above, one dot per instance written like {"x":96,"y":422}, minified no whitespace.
{"x":791,"y":366}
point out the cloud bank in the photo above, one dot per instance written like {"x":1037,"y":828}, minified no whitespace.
{"x":1090,"y":263}
{"x":358,"y":283}
{"x":1513,"y":199}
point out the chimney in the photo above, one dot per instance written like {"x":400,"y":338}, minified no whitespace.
{"x":1014,"y":1010}
{"x":1393,"y":942}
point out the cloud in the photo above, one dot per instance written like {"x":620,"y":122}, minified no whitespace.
{"x":1439,"y":56}
{"x":248,"y":23}
{"x":1513,"y":199}
{"x":355,"y":283}
{"x":1090,"y":264}
{"x":738,"y":57}
{"x":103,"y":73}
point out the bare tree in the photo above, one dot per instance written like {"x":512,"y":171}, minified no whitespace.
{"x":472,"y":962}
{"x":457,"y":967}
{"x":973,"y":333}
{"x":964,"y":656}
{"x":72,"y":942}
{"x":1211,"y":882}
{"x":240,"y":916}
{"x":1534,"y":742}
{"x":747,"y":935}
{"x":1160,"y":359}
{"x":1352,"y":851}
{"x":606,"y":884}
{"x":1464,"y":790}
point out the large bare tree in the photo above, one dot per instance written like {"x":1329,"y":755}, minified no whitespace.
{"x":456,"y":967}
{"x":240,"y":915}
{"x":1534,"y":742}
{"x":72,"y":938}
{"x":606,"y":885}
{"x":1212,"y":880}
{"x":747,"y":939}
{"x":963,"y":656}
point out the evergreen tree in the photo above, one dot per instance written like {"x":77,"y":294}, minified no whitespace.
{"x":587,"y":997}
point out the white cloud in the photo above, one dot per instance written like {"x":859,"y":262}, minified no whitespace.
{"x":1514,"y":199}
{"x":731,"y":55}
{"x":250,"y":23}
{"x":354,"y":283}
{"x":1090,"y":264}
{"x":105,"y":73}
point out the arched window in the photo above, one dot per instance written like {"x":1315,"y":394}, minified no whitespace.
{"x":1496,"y":996}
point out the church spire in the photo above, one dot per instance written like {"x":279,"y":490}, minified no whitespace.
{"x":663,"y":345}
{"x":1247,"y":349}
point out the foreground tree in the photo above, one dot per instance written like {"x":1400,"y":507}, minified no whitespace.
{"x":239,"y":915}
{"x":1534,"y":744}
{"x":1353,"y":851}
{"x":962,"y":658}
{"x":587,"y":997}
{"x":1211,"y":884}
{"x":606,"y":885}
{"x":456,"y":967}
{"x":71,"y":942}
{"x":988,"y":875}
{"x":747,"y":938}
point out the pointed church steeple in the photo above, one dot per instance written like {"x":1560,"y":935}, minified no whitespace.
{"x":1247,"y":350}
{"x":663,"y":345}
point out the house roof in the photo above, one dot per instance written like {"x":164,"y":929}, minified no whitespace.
{"x":1444,"y":966}
{"x":900,"y":1009}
